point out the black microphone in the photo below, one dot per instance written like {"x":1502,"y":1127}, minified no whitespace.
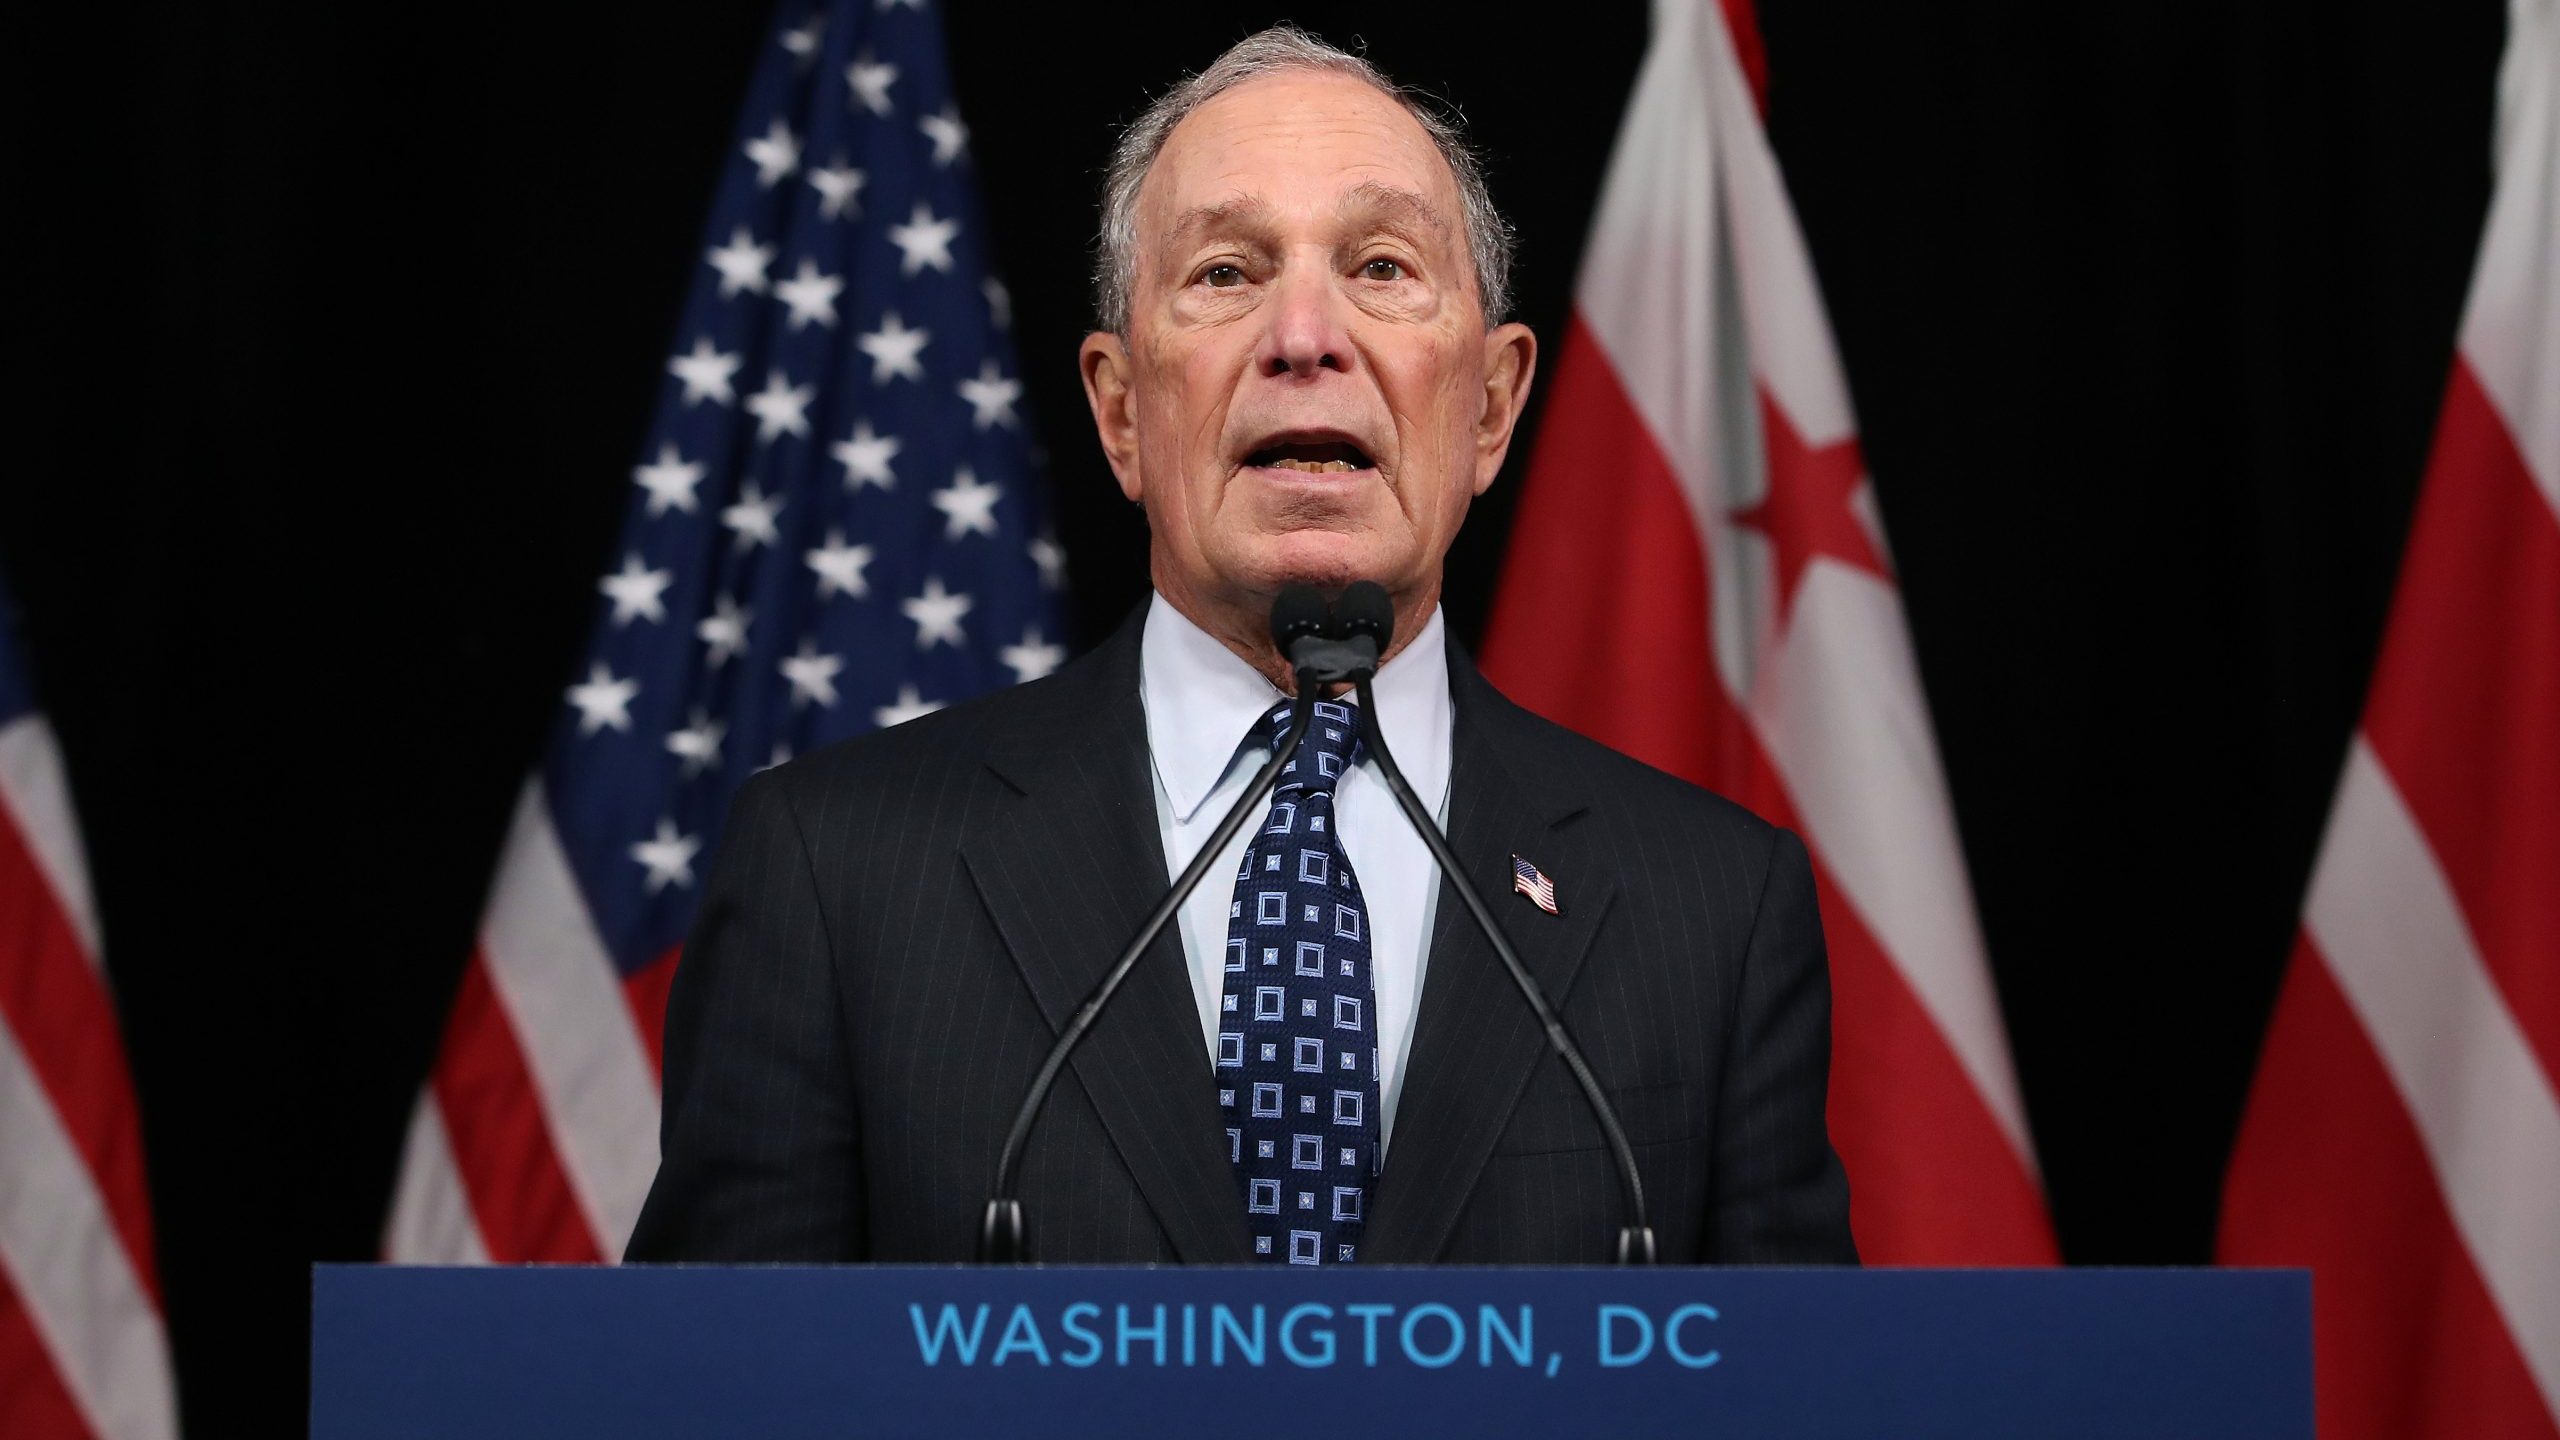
{"x":1364,"y":611}
{"x":1320,"y":647}
{"x":1298,"y":619}
{"x":1299,"y":615}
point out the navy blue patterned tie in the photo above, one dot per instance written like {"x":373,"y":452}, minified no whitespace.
{"x":1297,"y":1024}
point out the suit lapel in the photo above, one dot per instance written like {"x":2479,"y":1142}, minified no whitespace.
{"x":1068,"y":876}
{"x":1475,"y":1043}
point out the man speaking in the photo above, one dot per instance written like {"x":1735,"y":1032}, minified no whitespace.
{"x":1303,"y":380}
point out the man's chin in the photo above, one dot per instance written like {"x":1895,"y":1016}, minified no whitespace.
{"x":1325,"y":559}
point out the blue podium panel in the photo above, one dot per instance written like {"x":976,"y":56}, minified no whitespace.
{"x":863,"y":1351}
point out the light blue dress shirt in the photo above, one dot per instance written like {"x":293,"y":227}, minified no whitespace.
{"x":1202,"y":701}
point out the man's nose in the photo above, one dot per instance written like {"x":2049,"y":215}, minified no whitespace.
{"x":1304,"y":333}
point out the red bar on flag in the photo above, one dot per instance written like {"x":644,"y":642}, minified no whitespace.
{"x":1697,"y":515}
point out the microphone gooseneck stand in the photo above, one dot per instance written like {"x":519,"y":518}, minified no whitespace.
{"x":1297,"y":621}
{"x":1001,"y":1237}
{"x":1325,"y":646}
{"x":1372,"y":612}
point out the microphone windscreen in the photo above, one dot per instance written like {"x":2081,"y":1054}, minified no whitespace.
{"x":1364,"y":609}
{"x":1298,"y":612}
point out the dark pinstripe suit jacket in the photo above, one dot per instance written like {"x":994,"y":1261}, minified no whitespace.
{"x":896,"y":926}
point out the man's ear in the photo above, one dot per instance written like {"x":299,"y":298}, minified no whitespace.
{"x":1510,"y":362}
{"x":1105,"y":363}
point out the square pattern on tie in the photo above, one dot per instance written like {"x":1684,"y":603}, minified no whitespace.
{"x":1303,"y":1132}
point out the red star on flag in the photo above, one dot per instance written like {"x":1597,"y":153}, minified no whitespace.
{"x":1806,"y":511}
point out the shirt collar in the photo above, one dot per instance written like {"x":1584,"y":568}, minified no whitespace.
{"x":1203,"y":701}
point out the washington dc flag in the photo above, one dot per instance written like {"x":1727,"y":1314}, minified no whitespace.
{"x":2404,"y":1137}
{"x":1698,"y":519}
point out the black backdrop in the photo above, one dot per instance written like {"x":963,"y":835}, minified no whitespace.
{"x":336,"y":330}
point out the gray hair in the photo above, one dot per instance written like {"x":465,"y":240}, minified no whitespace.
{"x":1280,"y":49}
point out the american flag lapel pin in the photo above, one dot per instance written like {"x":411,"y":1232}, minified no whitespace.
{"x":1529,"y":880}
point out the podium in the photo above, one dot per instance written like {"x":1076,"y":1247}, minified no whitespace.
{"x":883,"y":1351}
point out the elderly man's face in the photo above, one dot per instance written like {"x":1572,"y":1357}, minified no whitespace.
{"x":1306,"y":390}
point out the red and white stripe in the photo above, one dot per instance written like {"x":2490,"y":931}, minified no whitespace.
{"x":82,"y":1349}
{"x":537,"y":1134}
{"x":2404,"y":1136}
{"x":1696,"y":517}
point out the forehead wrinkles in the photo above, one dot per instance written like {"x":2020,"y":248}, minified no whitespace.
{"x":1368,"y":206}
{"x":1233,"y":126}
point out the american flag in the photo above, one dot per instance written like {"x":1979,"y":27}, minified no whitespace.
{"x":82,"y":1348}
{"x":1529,"y":880}
{"x":835,"y":525}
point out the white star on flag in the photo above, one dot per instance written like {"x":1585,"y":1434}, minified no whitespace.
{"x":990,"y":397}
{"x":724,"y":630}
{"x":669,"y":481}
{"x":811,"y":294}
{"x":840,"y":567}
{"x":866,"y":456}
{"x":741,"y":263}
{"x":669,"y":857}
{"x":839,"y":188}
{"x":776,"y":153}
{"x":752,"y":518}
{"x":812,"y":675}
{"x":949,"y":136}
{"x":637,"y":591}
{"x":924,"y":242}
{"x":1032,"y":658}
{"x":968,"y":504}
{"x":908,"y":706}
{"x":604,"y":703}
{"x":893,"y":349}
{"x":999,"y":302}
{"x":1051,"y":557}
{"x":705,"y":373}
{"x":870,"y":81}
{"x":781,"y":407}
{"x":937,"y":615}
{"x":698,"y":744}
{"x":803,"y":42}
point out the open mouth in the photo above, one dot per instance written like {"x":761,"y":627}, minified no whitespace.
{"x":1311,"y":457}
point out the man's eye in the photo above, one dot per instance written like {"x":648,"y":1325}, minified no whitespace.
{"x":1223,"y":276}
{"x":1382,"y":269}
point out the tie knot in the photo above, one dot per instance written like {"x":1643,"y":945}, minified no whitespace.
{"x":1331,"y":747}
